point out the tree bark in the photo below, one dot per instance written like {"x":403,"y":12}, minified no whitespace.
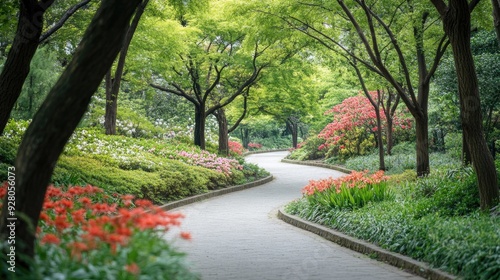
{"x":292,"y":124}
{"x":245,"y":137}
{"x":111,"y":104}
{"x":17,"y":65}
{"x":114,"y":88}
{"x":199,"y":126}
{"x":422,"y":142}
{"x":380,"y":142}
{"x":223,"y":132}
{"x":456,"y":24}
{"x":57,"y":118}
{"x":496,"y":18}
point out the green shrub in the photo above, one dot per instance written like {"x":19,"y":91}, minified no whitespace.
{"x":309,"y":149}
{"x":463,"y":245}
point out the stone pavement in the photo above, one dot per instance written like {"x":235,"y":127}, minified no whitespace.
{"x":238,"y":236}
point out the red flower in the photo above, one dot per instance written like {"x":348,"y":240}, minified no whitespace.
{"x":132,"y":268}
{"x":186,"y":235}
{"x":50,"y":238}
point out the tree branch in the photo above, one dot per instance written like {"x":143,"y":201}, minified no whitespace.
{"x":61,"y":21}
{"x":178,"y":92}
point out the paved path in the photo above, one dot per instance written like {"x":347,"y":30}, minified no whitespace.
{"x":238,"y":236}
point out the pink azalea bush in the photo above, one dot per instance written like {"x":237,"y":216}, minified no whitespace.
{"x":211,"y":161}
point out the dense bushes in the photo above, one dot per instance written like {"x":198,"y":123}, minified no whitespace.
{"x":84,"y":233}
{"x":434,"y":219}
{"x":159,"y":170}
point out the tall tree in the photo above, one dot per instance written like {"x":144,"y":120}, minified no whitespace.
{"x":57,"y":118}
{"x":378,"y":25}
{"x":456,"y":17}
{"x":113,"y":83}
{"x":203,"y":75}
{"x":26,"y":41}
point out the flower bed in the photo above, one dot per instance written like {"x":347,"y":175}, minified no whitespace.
{"x":84,"y":233}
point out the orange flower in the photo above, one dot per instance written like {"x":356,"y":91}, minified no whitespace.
{"x":61,"y":223}
{"x":132,"y":268}
{"x":143,"y":203}
{"x":50,"y":238}
{"x":78,"y":216}
{"x":85,"y":200}
{"x":186,"y":235}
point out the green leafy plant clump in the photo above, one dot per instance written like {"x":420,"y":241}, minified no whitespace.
{"x":434,"y":219}
{"x":348,"y":192}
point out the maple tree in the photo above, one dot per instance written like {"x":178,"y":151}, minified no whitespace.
{"x":354,"y":123}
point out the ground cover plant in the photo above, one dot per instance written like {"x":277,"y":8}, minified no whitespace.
{"x":85,"y":233}
{"x":161,"y":170}
{"x":434,"y":219}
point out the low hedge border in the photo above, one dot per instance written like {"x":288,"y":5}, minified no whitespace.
{"x":416,"y":267}
{"x":203,"y":196}
{"x":317,"y":164}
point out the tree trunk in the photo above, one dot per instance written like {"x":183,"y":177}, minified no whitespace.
{"x":17,"y":65}
{"x":57,"y":118}
{"x":223,"y":132}
{"x":390,"y":137}
{"x":245,"y":139}
{"x":111,"y":105}
{"x":496,"y":18}
{"x":199,"y":126}
{"x":380,"y":143}
{"x":113,"y":89}
{"x":465,"y":157}
{"x":293,"y":126}
{"x":456,"y":22}
{"x":422,"y":135}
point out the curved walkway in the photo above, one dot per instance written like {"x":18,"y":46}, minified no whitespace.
{"x":238,"y":236}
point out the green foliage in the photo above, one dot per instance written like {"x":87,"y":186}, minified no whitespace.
{"x":44,"y":70}
{"x":352,"y":198}
{"x":434,"y":219}
{"x":146,"y":168}
{"x":402,"y":158}
{"x":156,"y":258}
{"x":309,"y":149}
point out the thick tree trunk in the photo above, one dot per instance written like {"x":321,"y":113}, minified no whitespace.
{"x":496,"y":18}
{"x":57,"y":118}
{"x":199,"y":127}
{"x":422,"y":135}
{"x":17,"y":65}
{"x":456,"y":22}
{"x":223,"y":132}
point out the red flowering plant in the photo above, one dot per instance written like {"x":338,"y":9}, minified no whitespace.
{"x":83,"y":231}
{"x":254,"y":146}
{"x":348,"y":192}
{"x":235,"y":148}
{"x":352,"y":131}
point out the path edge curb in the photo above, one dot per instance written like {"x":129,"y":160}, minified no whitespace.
{"x":219,"y":192}
{"x":318,"y":164}
{"x":413,"y":266}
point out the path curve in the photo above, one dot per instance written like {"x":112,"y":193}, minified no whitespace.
{"x":238,"y":236}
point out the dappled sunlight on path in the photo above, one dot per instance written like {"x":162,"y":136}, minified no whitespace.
{"x":238,"y":236}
